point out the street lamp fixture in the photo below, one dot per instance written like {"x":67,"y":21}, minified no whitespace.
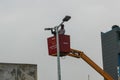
{"x":67,"y":18}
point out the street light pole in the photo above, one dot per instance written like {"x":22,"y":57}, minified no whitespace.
{"x":58,"y":51}
{"x":65,"y":19}
{"x":57,"y":45}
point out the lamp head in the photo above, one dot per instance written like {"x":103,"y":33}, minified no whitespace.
{"x":66,"y":18}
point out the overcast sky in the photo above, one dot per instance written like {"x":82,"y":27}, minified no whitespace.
{"x":23,"y":39}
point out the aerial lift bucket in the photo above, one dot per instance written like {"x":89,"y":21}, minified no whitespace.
{"x":64,"y":45}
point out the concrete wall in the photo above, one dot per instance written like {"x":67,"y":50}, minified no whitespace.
{"x":9,"y":71}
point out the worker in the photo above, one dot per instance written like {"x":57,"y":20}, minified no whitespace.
{"x":61,"y":31}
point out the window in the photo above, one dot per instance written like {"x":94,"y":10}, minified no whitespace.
{"x":118,"y":34}
{"x":119,"y":59}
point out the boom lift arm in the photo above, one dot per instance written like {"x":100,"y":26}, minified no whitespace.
{"x":80,"y":54}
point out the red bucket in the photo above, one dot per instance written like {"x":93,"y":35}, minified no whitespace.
{"x":64,"y":45}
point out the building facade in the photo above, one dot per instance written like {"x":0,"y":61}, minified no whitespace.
{"x":111,"y":51}
{"x":13,"y":71}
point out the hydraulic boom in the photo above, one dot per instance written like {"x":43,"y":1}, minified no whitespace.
{"x":80,"y":54}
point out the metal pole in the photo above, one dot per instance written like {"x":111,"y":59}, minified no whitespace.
{"x":58,"y":51}
{"x":88,"y":77}
{"x":66,"y":18}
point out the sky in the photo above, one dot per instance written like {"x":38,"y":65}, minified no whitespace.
{"x":23,"y":39}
